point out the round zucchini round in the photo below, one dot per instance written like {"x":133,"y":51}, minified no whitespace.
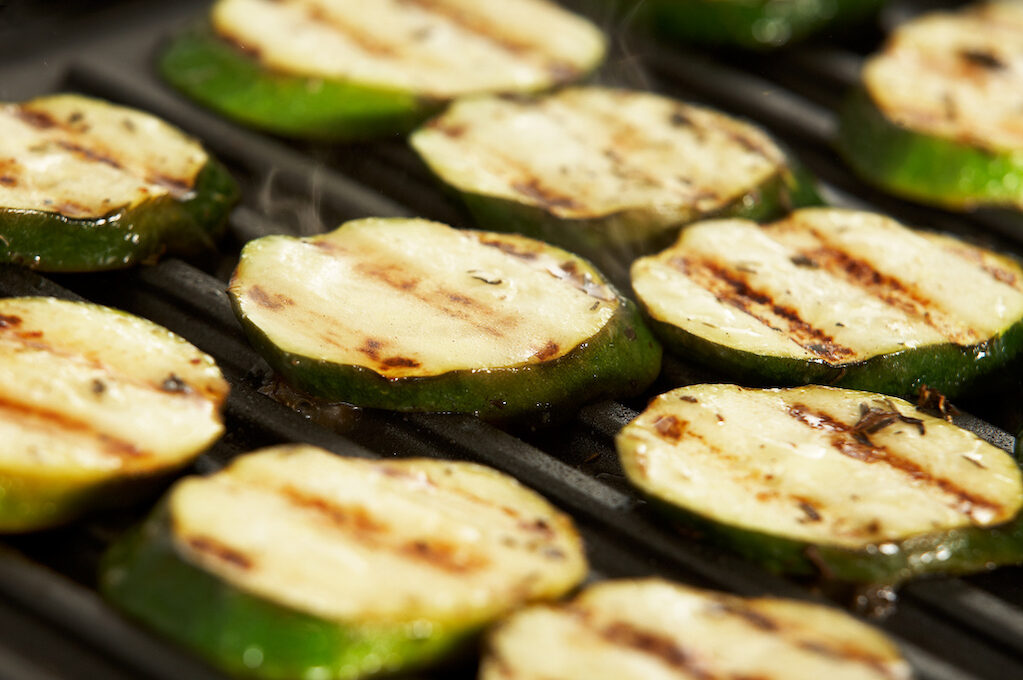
{"x":753,"y":24}
{"x":815,"y":480}
{"x":346,"y":70}
{"x":86,"y":185}
{"x":96,"y":407}
{"x":839,"y":297}
{"x":295,"y":563}
{"x":412,"y":315}
{"x":931,"y":120}
{"x":651,"y":628}
{"x":609,"y":174}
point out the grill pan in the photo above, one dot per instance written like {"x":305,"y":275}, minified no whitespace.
{"x":54,"y":625}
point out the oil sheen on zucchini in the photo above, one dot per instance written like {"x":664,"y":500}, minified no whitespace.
{"x":752,"y":24}
{"x":296,"y":563}
{"x":346,"y":69}
{"x":848,"y":485}
{"x":936,"y":117}
{"x":95,"y":407}
{"x":86,"y":185}
{"x":413,"y":315}
{"x":839,"y":297}
{"x":659,"y":630}
{"x":609,"y":174}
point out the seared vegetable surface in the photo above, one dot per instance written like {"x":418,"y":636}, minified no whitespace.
{"x":414,"y":315}
{"x":293,"y":562}
{"x":836,"y":296}
{"x":936,"y":118}
{"x":341,"y":69}
{"x":664,"y":631}
{"x":854,"y":485}
{"x":608,"y":173}
{"x":94,"y":403}
{"x":87,"y":185}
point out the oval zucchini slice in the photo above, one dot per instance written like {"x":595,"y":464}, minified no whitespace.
{"x":295,"y":563}
{"x":850,"y":485}
{"x":836,"y":296}
{"x":95,"y":407}
{"x":932,"y":119}
{"x":610,"y":174}
{"x":86,"y":185}
{"x":659,"y":630}
{"x":412,"y":315}
{"x":753,"y":24}
{"x":346,"y":69}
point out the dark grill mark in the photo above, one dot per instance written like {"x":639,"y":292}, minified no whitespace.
{"x":9,"y":321}
{"x":670,"y":427}
{"x":216,"y":549}
{"x":55,"y":420}
{"x":444,"y":555}
{"x":737,"y":608}
{"x":355,"y":518}
{"x":509,"y":248}
{"x":175,"y":186}
{"x":8,"y":181}
{"x":174,"y":384}
{"x":847,"y":441}
{"x":679,"y":119}
{"x":368,"y":43}
{"x":664,"y":648}
{"x":810,"y":511}
{"x":547,"y":351}
{"x":983,"y":59}
{"x":98,"y":386}
{"x":37,"y":119}
{"x":732,"y":289}
{"x":403,"y":362}
{"x":264,"y":299}
{"x":88,"y":154}
{"x":689,"y":398}
{"x":545,"y":197}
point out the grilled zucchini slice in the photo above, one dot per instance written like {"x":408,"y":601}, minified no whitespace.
{"x":413,"y":315}
{"x":96,"y":406}
{"x":849,"y":485}
{"x":86,"y":185}
{"x":609,"y":174}
{"x":295,"y":563}
{"x":660,"y":630}
{"x":839,"y":297}
{"x":936,"y":117}
{"x":346,"y":69}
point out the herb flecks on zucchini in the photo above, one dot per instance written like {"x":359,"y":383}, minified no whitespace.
{"x":665,"y":631}
{"x":856,"y":485}
{"x":87,"y":185}
{"x":414,"y":315}
{"x":349,"y":69}
{"x":836,"y":296}
{"x":93,"y":403}
{"x":752,"y":24}
{"x":293,"y":562}
{"x":936,"y":117}
{"x":605,"y":172}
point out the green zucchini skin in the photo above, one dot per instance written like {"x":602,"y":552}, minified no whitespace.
{"x":926,"y":168}
{"x":144,"y":575}
{"x":621,"y":360}
{"x":615,"y":240}
{"x":220,"y":76}
{"x":753,"y":24}
{"x":141,"y":234}
{"x":951,"y":369}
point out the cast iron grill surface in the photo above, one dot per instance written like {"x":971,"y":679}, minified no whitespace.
{"x":54,"y":625}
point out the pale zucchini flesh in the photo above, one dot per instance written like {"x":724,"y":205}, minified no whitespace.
{"x":388,"y":563}
{"x":93,"y":399}
{"x":936,"y":116}
{"x":119,"y":185}
{"x":859,"y":485}
{"x":830,"y":295}
{"x":604,"y":169}
{"x":414,"y":315}
{"x":659,"y":630}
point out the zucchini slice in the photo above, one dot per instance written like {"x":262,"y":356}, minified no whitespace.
{"x":936,"y":116}
{"x":649,"y":628}
{"x":96,"y":406}
{"x":86,"y":185}
{"x":413,"y":315}
{"x":610,"y":174}
{"x":850,"y":485}
{"x":295,"y":563}
{"x":836,"y":296}
{"x":753,"y":24}
{"x":346,"y":69}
